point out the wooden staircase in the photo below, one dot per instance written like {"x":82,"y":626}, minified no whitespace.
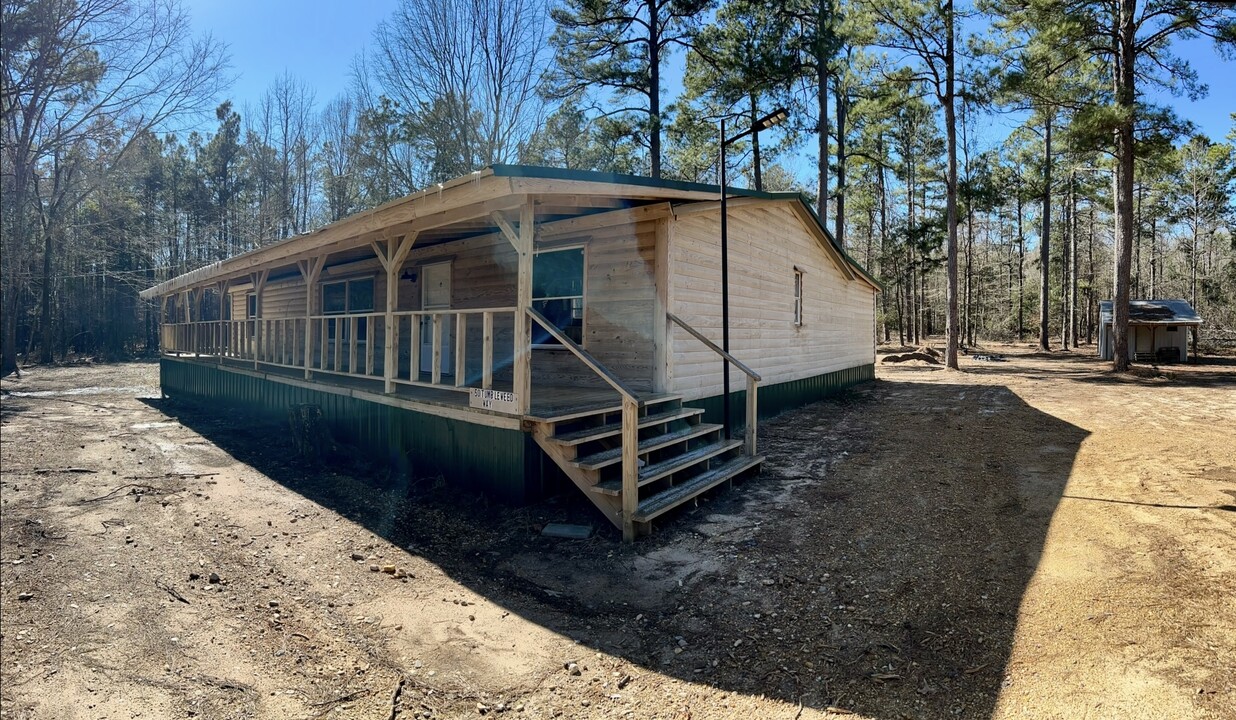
{"x":648,"y":454}
{"x":679,"y":456}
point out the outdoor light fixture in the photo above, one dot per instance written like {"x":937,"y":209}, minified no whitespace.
{"x":776,"y":117}
{"x":408,"y":275}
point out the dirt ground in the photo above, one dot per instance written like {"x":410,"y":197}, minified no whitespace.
{"x":1029,"y":538}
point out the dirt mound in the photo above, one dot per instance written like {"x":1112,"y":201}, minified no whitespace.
{"x":926,"y":355}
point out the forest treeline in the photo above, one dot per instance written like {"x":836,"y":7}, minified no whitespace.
{"x":996,"y":163}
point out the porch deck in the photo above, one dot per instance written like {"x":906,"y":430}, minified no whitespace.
{"x":550,"y":401}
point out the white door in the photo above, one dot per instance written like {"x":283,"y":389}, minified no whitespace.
{"x":436,"y":295}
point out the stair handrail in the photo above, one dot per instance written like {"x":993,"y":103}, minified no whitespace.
{"x":753,"y":380}
{"x":630,"y":422}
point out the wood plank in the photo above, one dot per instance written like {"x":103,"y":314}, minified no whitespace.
{"x":659,"y":471}
{"x":665,"y":501}
{"x":487,"y":351}
{"x":630,"y":466}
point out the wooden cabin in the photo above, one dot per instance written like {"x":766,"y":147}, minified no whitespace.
{"x":519,"y":324}
{"x":1158,"y":330}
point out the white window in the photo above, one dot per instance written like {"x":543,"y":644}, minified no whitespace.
{"x":558,"y":293}
{"x":251,"y":305}
{"x":798,"y":297}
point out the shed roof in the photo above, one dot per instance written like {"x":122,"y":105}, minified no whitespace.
{"x":462,"y":208}
{"x":1154,"y":312}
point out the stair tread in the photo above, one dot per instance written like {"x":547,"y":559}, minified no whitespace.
{"x":656,"y":471}
{"x":549,"y":415}
{"x":613,"y":455}
{"x":654,"y":505}
{"x":596,"y":433}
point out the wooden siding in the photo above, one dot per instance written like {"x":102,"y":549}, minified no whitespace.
{"x":766,"y":243}
{"x":620,"y":295}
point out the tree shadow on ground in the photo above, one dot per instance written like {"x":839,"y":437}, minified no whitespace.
{"x":878,"y":564}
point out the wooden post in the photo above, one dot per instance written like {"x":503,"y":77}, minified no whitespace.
{"x":353,"y":327}
{"x":259,"y":285}
{"x":414,"y":338}
{"x":436,"y":373}
{"x":523,"y":301}
{"x":662,"y":332}
{"x":223,"y":339}
{"x":630,"y":467}
{"x":752,"y":416}
{"x":461,"y":343}
{"x":310,"y":270}
{"x":392,"y":258}
{"x":487,"y":351}
{"x":162,"y":324}
{"x":188,"y":337}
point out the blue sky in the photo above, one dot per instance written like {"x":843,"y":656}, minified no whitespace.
{"x":316,"y":41}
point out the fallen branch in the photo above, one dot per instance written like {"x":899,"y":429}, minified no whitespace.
{"x":171,"y":591}
{"x":45,"y":471}
{"x":395,"y":700}
{"x":112,"y":495}
{"x":342,"y":698}
{"x":181,"y":475}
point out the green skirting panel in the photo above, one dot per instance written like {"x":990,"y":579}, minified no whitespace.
{"x":504,"y":463}
{"x":776,"y":399}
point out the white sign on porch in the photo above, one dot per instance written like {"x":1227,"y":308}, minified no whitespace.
{"x":497,"y":400}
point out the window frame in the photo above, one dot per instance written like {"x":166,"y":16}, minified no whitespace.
{"x":362,"y":325}
{"x":251,"y":305}
{"x":553,"y":343}
{"x":347,"y":295}
{"x":799,"y":292}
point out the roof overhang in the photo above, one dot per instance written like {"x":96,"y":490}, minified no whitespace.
{"x":464,"y":207}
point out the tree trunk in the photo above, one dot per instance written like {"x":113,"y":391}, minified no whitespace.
{"x":1073,"y":267}
{"x":1125,"y":91}
{"x":654,"y":87}
{"x":951,"y":324}
{"x":1021,"y":268}
{"x":1064,"y":275}
{"x":755,"y":148}
{"x":1045,"y":244}
{"x":841,"y":99}
{"x":822,"y":129}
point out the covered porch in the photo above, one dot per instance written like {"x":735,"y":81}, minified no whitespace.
{"x":497,"y":303}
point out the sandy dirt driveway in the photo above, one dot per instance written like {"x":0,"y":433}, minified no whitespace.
{"x":1032,"y":538}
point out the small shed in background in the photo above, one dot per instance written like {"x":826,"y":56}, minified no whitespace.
{"x":1158,"y":330}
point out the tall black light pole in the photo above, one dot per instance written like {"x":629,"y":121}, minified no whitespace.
{"x":773,"y":118}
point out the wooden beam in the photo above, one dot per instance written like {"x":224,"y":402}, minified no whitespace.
{"x":523,"y":302}
{"x":397,"y":251}
{"x":508,"y":231}
{"x":630,"y":467}
{"x":258,"y":279}
{"x":604,"y":219}
{"x":662,"y":333}
{"x":310,"y":270}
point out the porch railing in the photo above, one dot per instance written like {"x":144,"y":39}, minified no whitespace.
{"x":449,"y":349}
{"x":630,"y":422}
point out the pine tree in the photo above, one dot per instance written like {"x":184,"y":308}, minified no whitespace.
{"x":621,"y":45}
